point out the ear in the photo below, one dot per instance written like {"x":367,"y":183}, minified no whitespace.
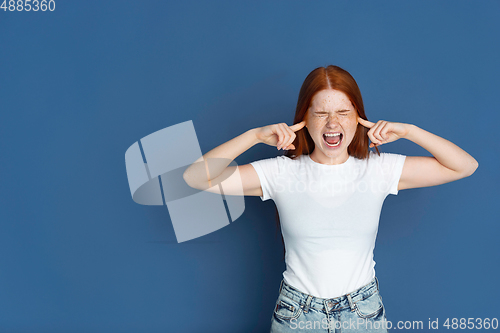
{"x":357,"y":115}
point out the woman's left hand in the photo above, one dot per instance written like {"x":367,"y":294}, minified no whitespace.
{"x":384,"y":131}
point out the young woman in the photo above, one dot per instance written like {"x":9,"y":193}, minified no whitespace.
{"x":329,"y":189}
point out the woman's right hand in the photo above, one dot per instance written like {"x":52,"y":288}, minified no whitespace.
{"x":279,"y":135}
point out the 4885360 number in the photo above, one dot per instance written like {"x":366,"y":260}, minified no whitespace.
{"x":28,"y":5}
{"x":471,"y":323}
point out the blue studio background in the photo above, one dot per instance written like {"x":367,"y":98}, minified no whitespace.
{"x":80,"y":84}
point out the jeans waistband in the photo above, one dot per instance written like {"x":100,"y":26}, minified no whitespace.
{"x":329,"y":304}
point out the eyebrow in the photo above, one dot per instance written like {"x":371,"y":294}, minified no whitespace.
{"x":324,"y":112}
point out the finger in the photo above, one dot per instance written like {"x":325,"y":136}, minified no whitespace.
{"x":298,"y":126}
{"x":292,"y":136}
{"x":279,"y":133}
{"x":376,"y":130}
{"x":290,"y":147}
{"x":288,"y":133}
{"x":384,"y":130}
{"x":370,"y":134}
{"x":373,"y":139}
{"x":365,"y":123}
{"x":285,"y":136}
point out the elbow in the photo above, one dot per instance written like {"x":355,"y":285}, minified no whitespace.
{"x":187,"y":179}
{"x":473,"y":165}
{"x":192,"y":182}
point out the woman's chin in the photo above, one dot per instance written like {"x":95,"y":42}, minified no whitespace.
{"x":330,"y":156}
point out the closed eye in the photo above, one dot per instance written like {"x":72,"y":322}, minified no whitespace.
{"x":325,"y":114}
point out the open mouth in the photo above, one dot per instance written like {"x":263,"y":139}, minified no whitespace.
{"x":333,"y":139}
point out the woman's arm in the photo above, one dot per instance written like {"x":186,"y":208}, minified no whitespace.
{"x":449,"y":162}
{"x":209,"y":169}
{"x":212,"y":168}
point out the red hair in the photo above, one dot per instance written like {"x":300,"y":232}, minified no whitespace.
{"x":330,"y":77}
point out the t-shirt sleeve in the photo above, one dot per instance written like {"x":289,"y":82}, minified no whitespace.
{"x":392,"y":165}
{"x":267,"y":170}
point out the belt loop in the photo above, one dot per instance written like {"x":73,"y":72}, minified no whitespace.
{"x":376,"y":280}
{"x":281,"y":286}
{"x":351,"y":304}
{"x":308,"y":302}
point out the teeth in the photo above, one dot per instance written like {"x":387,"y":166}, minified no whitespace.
{"x":332,"y":134}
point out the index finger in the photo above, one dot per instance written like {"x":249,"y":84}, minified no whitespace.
{"x":365,"y":123}
{"x":298,"y":126}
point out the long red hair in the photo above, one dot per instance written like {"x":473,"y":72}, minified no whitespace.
{"x":330,"y":77}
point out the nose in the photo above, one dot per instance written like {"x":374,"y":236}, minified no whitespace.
{"x":332,"y":121}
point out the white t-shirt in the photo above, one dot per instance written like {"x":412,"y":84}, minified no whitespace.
{"x":329,"y":217}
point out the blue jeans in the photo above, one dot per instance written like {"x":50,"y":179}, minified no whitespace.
{"x":359,"y":311}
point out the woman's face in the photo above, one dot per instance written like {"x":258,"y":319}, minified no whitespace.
{"x":331,"y":121}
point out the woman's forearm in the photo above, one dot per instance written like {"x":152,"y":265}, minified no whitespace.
{"x":235,"y":147}
{"x":212,"y":164}
{"x":446,"y":152}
